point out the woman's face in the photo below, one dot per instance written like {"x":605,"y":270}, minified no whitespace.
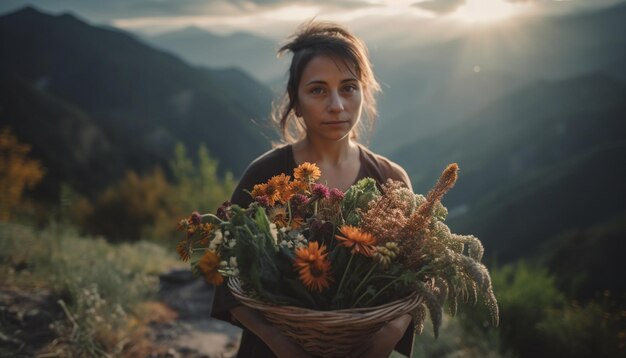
{"x":329,"y":98}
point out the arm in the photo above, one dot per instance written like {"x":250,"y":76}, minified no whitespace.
{"x":275,"y":340}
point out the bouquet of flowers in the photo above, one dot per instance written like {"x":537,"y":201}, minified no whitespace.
{"x":302,"y":247}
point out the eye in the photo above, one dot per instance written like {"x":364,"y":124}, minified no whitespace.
{"x":350,"y":88}
{"x":317,"y":90}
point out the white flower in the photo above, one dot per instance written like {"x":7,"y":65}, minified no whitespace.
{"x":274,"y":233}
{"x":218,"y":238}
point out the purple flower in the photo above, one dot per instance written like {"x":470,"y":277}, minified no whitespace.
{"x":298,"y":199}
{"x":336,"y":195}
{"x":320,"y":191}
{"x":263,"y":200}
{"x":195,"y":218}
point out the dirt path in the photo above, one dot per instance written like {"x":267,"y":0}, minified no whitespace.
{"x":193,"y":333}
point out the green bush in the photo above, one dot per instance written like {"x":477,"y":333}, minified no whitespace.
{"x":583,"y":331}
{"x":537,"y":320}
{"x":99,"y":283}
{"x":149,"y":206}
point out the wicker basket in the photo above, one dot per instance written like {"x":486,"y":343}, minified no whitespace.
{"x":328,"y":333}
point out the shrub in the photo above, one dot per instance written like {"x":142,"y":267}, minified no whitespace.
{"x":17,"y":173}
{"x":99,"y":284}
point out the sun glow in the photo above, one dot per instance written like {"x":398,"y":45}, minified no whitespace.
{"x":488,"y":10}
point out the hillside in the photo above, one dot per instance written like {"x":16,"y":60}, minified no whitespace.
{"x":138,"y":101}
{"x":541,"y":161}
{"x":254,"y":54}
{"x":437,"y":86}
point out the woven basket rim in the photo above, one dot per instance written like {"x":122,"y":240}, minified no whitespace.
{"x":234,"y":285}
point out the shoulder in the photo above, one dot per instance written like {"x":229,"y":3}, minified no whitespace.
{"x":382,"y":168}
{"x":261,"y":169}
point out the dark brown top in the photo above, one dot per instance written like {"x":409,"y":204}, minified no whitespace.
{"x":274,"y":162}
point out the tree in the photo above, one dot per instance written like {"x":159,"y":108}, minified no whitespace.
{"x":17,"y":173}
{"x":199,"y":187}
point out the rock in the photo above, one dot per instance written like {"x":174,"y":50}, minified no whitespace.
{"x":195,"y":334}
{"x":190,"y":296}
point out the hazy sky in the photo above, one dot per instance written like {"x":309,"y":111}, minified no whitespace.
{"x":276,"y":17}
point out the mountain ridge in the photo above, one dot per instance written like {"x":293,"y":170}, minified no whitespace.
{"x":144,"y":100}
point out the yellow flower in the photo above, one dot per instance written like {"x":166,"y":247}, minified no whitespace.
{"x":307,"y":172}
{"x":313,"y":266}
{"x":208,"y":265}
{"x":360,"y":242}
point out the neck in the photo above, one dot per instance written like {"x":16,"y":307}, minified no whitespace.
{"x":319,"y":151}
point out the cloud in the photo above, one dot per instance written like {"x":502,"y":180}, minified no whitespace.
{"x":110,"y":10}
{"x":334,"y":3}
{"x":440,"y":6}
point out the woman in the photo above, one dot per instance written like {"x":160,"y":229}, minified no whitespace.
{"x":330,"y":84}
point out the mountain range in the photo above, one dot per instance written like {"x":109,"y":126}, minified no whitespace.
{"x":429,"y":84}
{"x":95,"y":102}
{"x":254,"y":54}
{"x":543,"y":160}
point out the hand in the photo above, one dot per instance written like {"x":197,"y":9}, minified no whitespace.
{"x":384,"y":341}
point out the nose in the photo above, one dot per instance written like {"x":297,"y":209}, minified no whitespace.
{"x":335,"y":103}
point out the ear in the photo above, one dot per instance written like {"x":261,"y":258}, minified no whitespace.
{"x":296,"y":111}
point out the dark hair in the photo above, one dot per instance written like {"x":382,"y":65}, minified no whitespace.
{"x":316,"y":38}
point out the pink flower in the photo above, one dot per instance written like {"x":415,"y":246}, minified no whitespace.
{"x":320,"y":191}
{"x":298,"y":200}
{"x":263,"y":200}
{"x":336,"y":195}
{"x":195,"y":218}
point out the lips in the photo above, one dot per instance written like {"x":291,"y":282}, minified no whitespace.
{"x":335,"y":122}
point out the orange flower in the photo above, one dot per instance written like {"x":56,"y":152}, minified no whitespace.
{"x":281,"y":183}
{"x":208,"y":265}
{"x":272,"y":192}
{"x":184,"y":250}
{"x":307,"y":172}
{"x":313,"y":267}
{"x":258,"y":190}
{"x":299,"y":186}
{"x":357,"y":240}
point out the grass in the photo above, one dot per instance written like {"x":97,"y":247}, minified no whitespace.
{"x":99,"y":285}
